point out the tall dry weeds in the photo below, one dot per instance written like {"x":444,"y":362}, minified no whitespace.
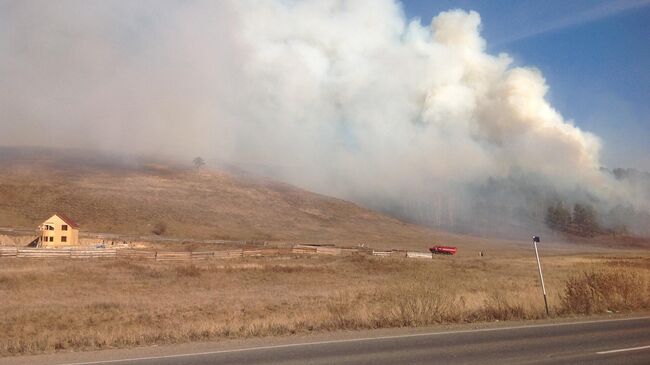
{"x":605,"y":290}
{"x":421,"y":304}
{"x":68,"y":305}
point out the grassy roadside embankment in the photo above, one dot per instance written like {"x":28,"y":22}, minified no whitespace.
{"x":52,"y":305}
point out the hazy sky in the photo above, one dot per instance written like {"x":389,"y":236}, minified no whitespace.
{"x":372,"y":100}
{"x":594,"y":54}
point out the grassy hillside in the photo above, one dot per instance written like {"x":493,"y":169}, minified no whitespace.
{"x":110,"y":194}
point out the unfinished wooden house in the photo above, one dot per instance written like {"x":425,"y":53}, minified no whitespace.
{"x":58,"y":230}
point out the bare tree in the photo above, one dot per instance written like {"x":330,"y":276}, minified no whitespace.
{"x":198,"y":162}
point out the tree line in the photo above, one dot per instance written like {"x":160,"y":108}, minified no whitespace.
{"x":581,"y":220}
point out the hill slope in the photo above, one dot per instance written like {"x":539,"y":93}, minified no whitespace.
{"x":108,"y":194}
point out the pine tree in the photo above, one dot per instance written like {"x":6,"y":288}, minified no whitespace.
{"x":558,"y":217}
{"x":584,"y":218}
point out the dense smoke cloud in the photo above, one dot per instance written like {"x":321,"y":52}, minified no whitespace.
{"x":344,"y":97}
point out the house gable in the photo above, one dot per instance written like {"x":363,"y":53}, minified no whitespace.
{"x":66,"y":219}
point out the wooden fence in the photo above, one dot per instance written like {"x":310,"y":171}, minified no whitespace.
{"x":382,"y":253}
{"x":99,"y":253}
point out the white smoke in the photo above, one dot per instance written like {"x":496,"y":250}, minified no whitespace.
{"x":356,"y":92}
{"x":344,"y":97}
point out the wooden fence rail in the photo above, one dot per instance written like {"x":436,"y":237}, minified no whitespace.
{"x":76,"y":253}
{"x":173,"y":256}
{"x":8,"y":251}
{"x":229,"y":254}
{"x":137,"y":254}
{"x":93,"y":254}
{"x":382,"y":253}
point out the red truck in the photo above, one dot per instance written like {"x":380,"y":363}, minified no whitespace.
{"x":443,"y":250}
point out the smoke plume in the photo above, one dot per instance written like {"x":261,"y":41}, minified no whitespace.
{"x":347,"y":98}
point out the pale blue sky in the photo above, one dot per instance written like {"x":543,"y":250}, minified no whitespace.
{"x":594,"y":54}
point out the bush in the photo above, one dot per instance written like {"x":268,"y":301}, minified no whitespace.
{"x":605,"y":290}
{"x":159,"y":228}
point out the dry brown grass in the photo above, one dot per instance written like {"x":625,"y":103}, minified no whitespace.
{"x":57,"y":305}
{"x":104,"y":194}
{"x":606,"y":290}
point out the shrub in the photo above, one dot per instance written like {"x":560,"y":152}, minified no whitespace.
{"x":159,"y":228}
{"x":605,"y":290}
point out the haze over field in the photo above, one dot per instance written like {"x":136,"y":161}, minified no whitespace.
{"x":348,"y":98}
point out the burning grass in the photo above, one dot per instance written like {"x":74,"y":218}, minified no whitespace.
{"x":80,"y":305}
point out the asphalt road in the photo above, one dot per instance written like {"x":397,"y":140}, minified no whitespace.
{"x":618,"y":341}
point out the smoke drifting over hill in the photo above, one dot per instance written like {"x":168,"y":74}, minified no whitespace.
{"x":348,"y":98}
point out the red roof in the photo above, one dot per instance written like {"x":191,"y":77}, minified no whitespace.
{"x":67,"y":219}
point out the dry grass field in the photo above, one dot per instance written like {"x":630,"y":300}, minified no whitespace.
{"x":63,"y":305}
{"x":110,"y":195}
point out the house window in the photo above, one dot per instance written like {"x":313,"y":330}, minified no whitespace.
{"x":51,"y":228}
{"x":64,"y":227}
{"x":64,"y":239}
{"x":51,"y":239}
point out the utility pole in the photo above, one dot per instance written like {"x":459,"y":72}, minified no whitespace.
{"x":539,"y":267}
